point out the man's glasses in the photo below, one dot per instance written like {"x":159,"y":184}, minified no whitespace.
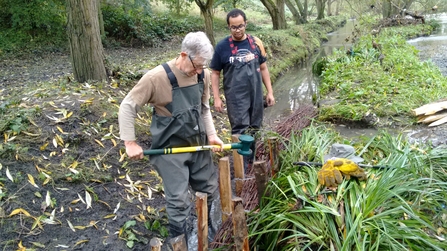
{"x":235,"y":28}
{"x":199,"y":67}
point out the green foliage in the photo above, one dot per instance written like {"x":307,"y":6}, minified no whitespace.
{"x":388,"y":80}
{"x":139,"y":28}
{"x":399,"y":208}
{"x":26,"y":24}
{"x":435,"y":24}
{"x":178,"y":6}
{"x":14,"y":119}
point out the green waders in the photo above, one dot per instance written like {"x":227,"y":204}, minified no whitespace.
{"x":178,"y":171}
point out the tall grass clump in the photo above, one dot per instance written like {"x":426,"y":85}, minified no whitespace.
{"x":401,"y":207}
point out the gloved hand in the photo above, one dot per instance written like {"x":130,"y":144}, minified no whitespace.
{"x":349,"y":168}
{"x":329,"y":175}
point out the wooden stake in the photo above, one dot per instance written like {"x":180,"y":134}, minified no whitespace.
{"x":274,"y":155}
{"x":240,"y":231}
{"x":179,"y":243}
{"x":202,"y":221}
{"x":262,"y":177}
{"x":238,"y":164}
{"x":225,"y":187}
{"x":155,"y":244}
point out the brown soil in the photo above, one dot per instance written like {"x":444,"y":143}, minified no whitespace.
{"x":76,"y":158}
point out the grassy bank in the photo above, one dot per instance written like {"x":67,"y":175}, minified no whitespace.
{"x":381,"y":77}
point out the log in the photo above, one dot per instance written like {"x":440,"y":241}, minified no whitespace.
{"x":438,"y":122}
{"x":262,"y":178}
{"x":225,"y":187}
{"x":274,"y":155}
{"x":431,"y":118}
{"x":238,"y":165}
{"x":240,"y":230}
{"x":202,"y":221}
{"x":430,"y":109}
{"x":179,"y":243}
{"x":155,"y":244}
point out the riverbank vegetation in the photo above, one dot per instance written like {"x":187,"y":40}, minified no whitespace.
{"x":400,"y":206}
{"x":380,"y":79}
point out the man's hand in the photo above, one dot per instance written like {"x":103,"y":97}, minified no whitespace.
{"x":349,"y":168}
{"x":269,"y":99}
{"x":329,"y":175}
{"x":133,"y":150}
{"x":214,"y":140}
{"x":218,"y":104}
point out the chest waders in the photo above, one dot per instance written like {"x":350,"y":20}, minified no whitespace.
{"x":179,"y":171}
{"x":243,"y":88}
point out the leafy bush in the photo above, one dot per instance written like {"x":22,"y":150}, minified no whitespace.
{"x":140,"y":28}
{"x":29,"y":24}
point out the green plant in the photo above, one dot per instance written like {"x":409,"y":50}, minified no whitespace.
{"x":393,"y":210}
{"x":128,"y":234}
{"x":156,"y":226}
{"x":381,"y":75}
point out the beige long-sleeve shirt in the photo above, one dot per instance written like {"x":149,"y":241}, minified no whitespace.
{"x":155,"y":88}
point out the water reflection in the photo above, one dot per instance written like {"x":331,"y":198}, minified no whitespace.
{"x":299,"y":85}
{"x":431,"y":46}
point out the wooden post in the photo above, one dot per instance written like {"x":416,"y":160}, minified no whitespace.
{"x":225,"y":187}
{"x":179,"y":243}
{"x":202,"y":221}
{"x":240,"y":231}
{"x":238,"y":164}
{"x":261,"y":175}
{"x":274,"y":155}
{"x":155,"y":244}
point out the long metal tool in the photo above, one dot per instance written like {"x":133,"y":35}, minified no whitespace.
{"x":243,"y":147}
{"x":303,"y":163}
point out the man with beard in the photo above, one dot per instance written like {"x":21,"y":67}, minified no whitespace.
{"x":242,"y":59}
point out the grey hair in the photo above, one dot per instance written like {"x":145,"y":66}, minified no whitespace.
{"x":197,"y":44}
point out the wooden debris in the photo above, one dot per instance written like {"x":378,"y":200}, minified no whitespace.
{"x":202,"y":221}
{"x":433,"y":114}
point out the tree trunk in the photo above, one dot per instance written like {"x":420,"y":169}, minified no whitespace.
{"x":329,"y":9}
{"x":320,"y":9}
{"x":337,"y":8}
{"x":276,"y":12}
{"x":305,"y":12}
{"x":206,"y":9}
{"x":87,"y":53}
{"x":101,"y":20}
{"x":296,"y":15}
{"x":281,"y":14}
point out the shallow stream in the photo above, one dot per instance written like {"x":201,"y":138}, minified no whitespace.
{"x":299,"y":86}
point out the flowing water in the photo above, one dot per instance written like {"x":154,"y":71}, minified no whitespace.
{"x":299,"y":86}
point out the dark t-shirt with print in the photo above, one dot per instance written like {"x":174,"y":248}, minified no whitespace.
{"x":223,"y":57}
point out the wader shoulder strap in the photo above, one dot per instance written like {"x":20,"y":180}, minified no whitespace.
{"x":200,"y":77}
{"x":259,"y":43}
{"x":171,"y":75}
{"x":173,"y":79}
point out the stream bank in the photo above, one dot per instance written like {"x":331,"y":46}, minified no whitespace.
{"x":299,"y":86}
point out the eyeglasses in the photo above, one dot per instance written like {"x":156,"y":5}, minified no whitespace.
{"x":200,"y":67}
{"x":235,"y":28}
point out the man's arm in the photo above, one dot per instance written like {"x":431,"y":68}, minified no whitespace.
{"x":126,"y":120}
{"x":265,"y":74}
{"x":215,"y":81}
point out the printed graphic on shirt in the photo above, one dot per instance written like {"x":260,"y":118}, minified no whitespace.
{"x":243,"y":56}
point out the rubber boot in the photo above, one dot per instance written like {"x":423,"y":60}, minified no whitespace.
{"x":212,"y":230}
